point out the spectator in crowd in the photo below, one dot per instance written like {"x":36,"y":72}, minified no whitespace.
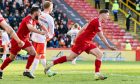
{"x":107,"y":4}
{"x":67,"y":41}
{"x":97,"y":3}
{"x":128,"y":16}
{"x":54,"y":43}
{"x":115,"y":9}
{"x":62,"y":42}
{"x":14,"y":10}
{"x":65,"y":19}
{"x":128,"y":45}
{"x":62,"y":29}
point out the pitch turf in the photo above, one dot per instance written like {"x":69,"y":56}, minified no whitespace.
{"x":82,"y":73}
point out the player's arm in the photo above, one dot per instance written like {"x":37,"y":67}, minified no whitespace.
{"x":102,"y":37}
{"x":11,"y":32}
{"x":33,"y":29}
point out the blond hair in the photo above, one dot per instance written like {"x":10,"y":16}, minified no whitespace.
{"x":47,"y":4}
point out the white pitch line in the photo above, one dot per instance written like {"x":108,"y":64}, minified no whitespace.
{"x":125,"y":75}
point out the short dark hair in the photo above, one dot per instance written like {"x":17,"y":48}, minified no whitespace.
{"x":104,"y":11}
{"x":34,"y":8}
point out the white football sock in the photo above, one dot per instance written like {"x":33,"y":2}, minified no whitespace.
{"x":43,"y":62}
{"x":35,"y":65}
{"x":74,"y":61}
{"x":3,"y":57}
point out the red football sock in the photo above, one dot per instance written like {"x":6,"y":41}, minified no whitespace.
{"x":30,"y":61}
{"x":60,"y":60}
{"x":97,"y":65}
{"x":5,"y":63}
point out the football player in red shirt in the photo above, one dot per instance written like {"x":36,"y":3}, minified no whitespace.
{"x":27,"y":25}
{"x":83,"y":42}
{"x":10,"y":31}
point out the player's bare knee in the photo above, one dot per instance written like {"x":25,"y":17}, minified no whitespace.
{"x":12,"y":57}
{"x":33,"y":53}
{"x":99,"y":55}
{"x":70,"y":58}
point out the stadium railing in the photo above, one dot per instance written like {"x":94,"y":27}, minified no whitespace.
{"x":124,"y":10}
{"x":124,"y":7}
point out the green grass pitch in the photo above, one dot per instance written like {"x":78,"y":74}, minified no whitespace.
{"x":82,"y":73}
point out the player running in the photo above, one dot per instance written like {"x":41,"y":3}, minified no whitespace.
{"x":83,"y":42}
{"x":73,"y":32}
{"x":27,"y":25}
{"x":39,"y":41}
{"x":12,"y":33}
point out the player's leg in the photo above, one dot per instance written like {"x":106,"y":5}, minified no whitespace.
{"x":61,"y":59}
{"x":65,"y":58}
{"x":74,"y":61}
{"x":43,"y":60}
{"x":6,"y":62}
{"x":32,"y":53}
{"x":98,"y":62}
{"x":14,"y":50}
{"x":35,"y":63}
{"x":4,"y":52}
{"x":36,"y":60}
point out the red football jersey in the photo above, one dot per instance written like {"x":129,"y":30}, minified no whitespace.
{"x":90,"y":32}
{"x":23,"y":31}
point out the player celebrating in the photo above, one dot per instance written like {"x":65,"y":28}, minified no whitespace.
{"x":83,"y":42}
{"x":39,"y":41}
{"x":27,"y":25}
{"x":73,"y":32}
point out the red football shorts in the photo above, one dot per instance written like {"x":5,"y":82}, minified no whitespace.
{"x":78,"y":48}
{"x":15,"y":48}
{"x":39,"y":47}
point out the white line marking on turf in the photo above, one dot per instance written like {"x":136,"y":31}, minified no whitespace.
{"x":125,"y":75}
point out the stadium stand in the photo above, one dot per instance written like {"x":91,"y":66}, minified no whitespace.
{"x":14,"y":10}
{"x":117,"y":35}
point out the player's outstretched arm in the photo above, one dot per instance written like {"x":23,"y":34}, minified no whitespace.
{"x":33,"y":29}
{"x":102,"y":37}
{"x":11,"y":32}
